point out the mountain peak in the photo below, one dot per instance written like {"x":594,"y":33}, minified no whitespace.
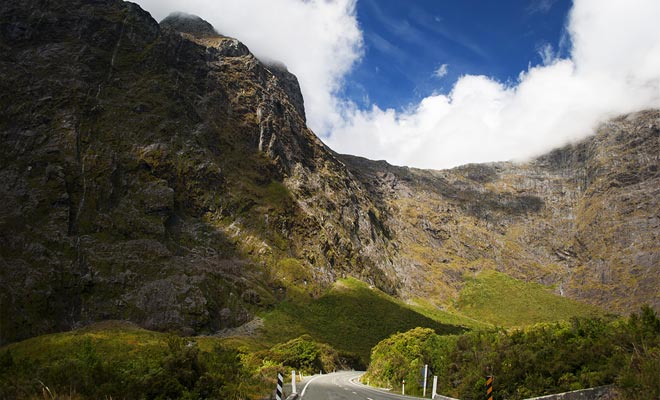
{"x":189,"y":23}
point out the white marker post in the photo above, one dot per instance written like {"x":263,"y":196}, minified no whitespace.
{"x":403,"y":388}
{"x":426,"y":372}
{"x":293,"y":382}
{"x":435,"y":387}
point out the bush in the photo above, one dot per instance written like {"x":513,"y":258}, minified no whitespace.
{"x":170,"y":368}
{"x":542,"y":359}
{"x":402,"y":357}
{"x":306,"y":355}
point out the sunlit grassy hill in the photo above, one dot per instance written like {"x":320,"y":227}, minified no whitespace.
{"x":495,"y":298}
{"x":352,"y":316}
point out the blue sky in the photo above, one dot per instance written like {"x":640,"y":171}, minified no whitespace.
{"x":407,"y":41}
{"x":520,"y":77}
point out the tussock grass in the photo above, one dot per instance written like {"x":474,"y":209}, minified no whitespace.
{"x":496,"y":298}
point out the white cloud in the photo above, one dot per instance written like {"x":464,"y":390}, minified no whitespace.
{"x":614,"y":68}
{"x":547,"y":54}
{"x":318,"y":40}
{"x":441,"y":72}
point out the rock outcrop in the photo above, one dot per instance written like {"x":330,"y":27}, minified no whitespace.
{"x":164,"y":175}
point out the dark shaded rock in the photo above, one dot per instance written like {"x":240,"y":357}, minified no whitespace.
{"x":187,"y":23}
{"x":290,"y":85}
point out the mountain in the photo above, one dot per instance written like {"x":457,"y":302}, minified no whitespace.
{"x":162,"y":174}
{"x":583,"y":218}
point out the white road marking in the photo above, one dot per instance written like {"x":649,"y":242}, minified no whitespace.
{"x":305,"y":388}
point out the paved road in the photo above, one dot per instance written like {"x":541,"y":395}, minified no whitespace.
{"x":343,"y":386}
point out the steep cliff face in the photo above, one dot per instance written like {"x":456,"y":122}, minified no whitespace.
{"x":583,"y":218}
{"x":164,"y":175}
{"x":157,"y":176}
{"x":617,"y":220}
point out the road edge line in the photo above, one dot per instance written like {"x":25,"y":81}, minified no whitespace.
{"x":305,"y":388}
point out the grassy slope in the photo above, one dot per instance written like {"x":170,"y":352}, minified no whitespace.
{"x":113,"y":339}
{"x":498,"y":299}
{"x":446,"y":316}
{"x":351,"y":317}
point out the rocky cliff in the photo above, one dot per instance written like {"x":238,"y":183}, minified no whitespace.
{"x":584,"y":218}
{"x":162,"y":174}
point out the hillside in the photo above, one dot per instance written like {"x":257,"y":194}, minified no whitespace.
{"x":162,"y":174}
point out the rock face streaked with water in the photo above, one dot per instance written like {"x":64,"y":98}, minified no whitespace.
{"x":164,"y":175}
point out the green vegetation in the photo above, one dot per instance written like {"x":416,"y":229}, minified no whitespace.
{"x":500,"y":300}
{"x":346,"y":328}
{"x":118,"y":360}
{"x":332,"y":332}
{"x":403,"y":355}
{"x":305,"y":355}
{"x":541,"y":359}
{"x":449,"y":317}
{"x":352,"y":317}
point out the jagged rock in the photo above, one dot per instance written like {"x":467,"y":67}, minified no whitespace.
{"x":289,"y":83}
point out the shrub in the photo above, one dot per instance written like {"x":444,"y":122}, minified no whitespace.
{"x":542,"y":359}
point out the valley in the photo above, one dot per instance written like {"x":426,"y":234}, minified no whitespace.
{"x":171,"y":227}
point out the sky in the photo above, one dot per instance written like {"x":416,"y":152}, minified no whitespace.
{"x":440,"y":83}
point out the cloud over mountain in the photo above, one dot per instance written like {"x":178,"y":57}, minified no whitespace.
{"x":319,"y":41}
{"x":613,"y":68}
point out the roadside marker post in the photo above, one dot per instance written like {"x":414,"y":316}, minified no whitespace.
{"x":280,"y":381}
{"x":435,"y":386}
{"x":403,"y":387}
{"x":489,"y":387}
{"x":293,"y":382}
{"x":426,"y":373}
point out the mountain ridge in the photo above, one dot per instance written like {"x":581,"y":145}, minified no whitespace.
{"x":168,"y":178}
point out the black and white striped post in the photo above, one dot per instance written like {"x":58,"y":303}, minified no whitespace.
{"x":280,"y":382}
{"x":489,"y":388}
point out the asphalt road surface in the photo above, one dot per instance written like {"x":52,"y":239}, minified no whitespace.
{"x":343,"y":386}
